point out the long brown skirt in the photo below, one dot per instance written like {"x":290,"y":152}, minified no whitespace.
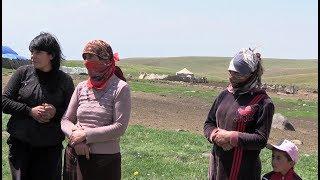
{"x":98,"y":167}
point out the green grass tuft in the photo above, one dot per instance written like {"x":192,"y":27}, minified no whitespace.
{"x":164,"y":154}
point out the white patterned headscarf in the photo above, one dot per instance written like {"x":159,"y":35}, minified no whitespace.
{"x":244,"y":62}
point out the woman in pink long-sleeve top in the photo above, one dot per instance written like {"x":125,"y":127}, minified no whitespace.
{"x":97,"y":116}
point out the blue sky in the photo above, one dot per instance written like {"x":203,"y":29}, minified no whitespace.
{"x":282,"y":28}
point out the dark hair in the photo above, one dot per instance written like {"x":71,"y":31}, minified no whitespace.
{"x":48,"y":43}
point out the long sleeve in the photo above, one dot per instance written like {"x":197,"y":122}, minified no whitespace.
{"x":68,"y":91}
{"x":259,"y":138}
{"x":121,"y":116}
{"x":10,"y":105}
{"x":70,"y":116}
{"x":210,"y":124}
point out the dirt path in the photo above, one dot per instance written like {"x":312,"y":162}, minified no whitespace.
{"x":168,"y":112}
{"x":174,"y":113}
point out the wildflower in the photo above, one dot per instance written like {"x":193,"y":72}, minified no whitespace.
{"x":136,"y":173}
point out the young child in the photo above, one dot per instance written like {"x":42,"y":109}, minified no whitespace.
{"x":284,"y":157}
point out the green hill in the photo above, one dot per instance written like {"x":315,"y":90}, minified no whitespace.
{"x":302,"y":73}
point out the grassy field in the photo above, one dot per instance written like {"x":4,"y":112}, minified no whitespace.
{"x":302,"y":73}
{"x":155,"y":154}
{"x":161,"y":154}
{"x":291,"y":108}
{"x":6,"y":72}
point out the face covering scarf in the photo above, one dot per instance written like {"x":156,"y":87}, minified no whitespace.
{"x":99,"y":73}
{"x":246,"y":86}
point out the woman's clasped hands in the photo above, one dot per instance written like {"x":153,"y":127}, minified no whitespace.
{"x":222,"y":138}
{"x":78,"y":141}
{"x":43,"y":113}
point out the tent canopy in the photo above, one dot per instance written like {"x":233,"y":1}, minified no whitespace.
{"x":7,"y":52}
{"x":184,"y":71}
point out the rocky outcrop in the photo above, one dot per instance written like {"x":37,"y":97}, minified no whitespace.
{"x":281,"y":122}
{"x":152,"y":76}
{"x":74,"y":70}
{"x":190,"y":79}
{"x":14,"y":63}
{"x":288,"y":89}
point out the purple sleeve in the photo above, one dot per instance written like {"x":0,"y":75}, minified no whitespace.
{"x":70,"y":116}
{"x":121,"y":116}
{"x":259,"y":138}
{"x":210,"y":124}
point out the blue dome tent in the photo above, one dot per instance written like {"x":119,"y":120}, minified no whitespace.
{"x":7,"y":52}
{"x":11,"y":59}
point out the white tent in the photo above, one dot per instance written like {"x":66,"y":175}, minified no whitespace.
{"x":184,"y":71}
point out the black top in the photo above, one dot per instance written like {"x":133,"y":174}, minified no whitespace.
{"x":241,"y":162}
{"x":28,"y":88}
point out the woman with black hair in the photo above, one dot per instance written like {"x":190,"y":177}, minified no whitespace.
{"x":239,"y":122}
{"x":36,"y":97}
